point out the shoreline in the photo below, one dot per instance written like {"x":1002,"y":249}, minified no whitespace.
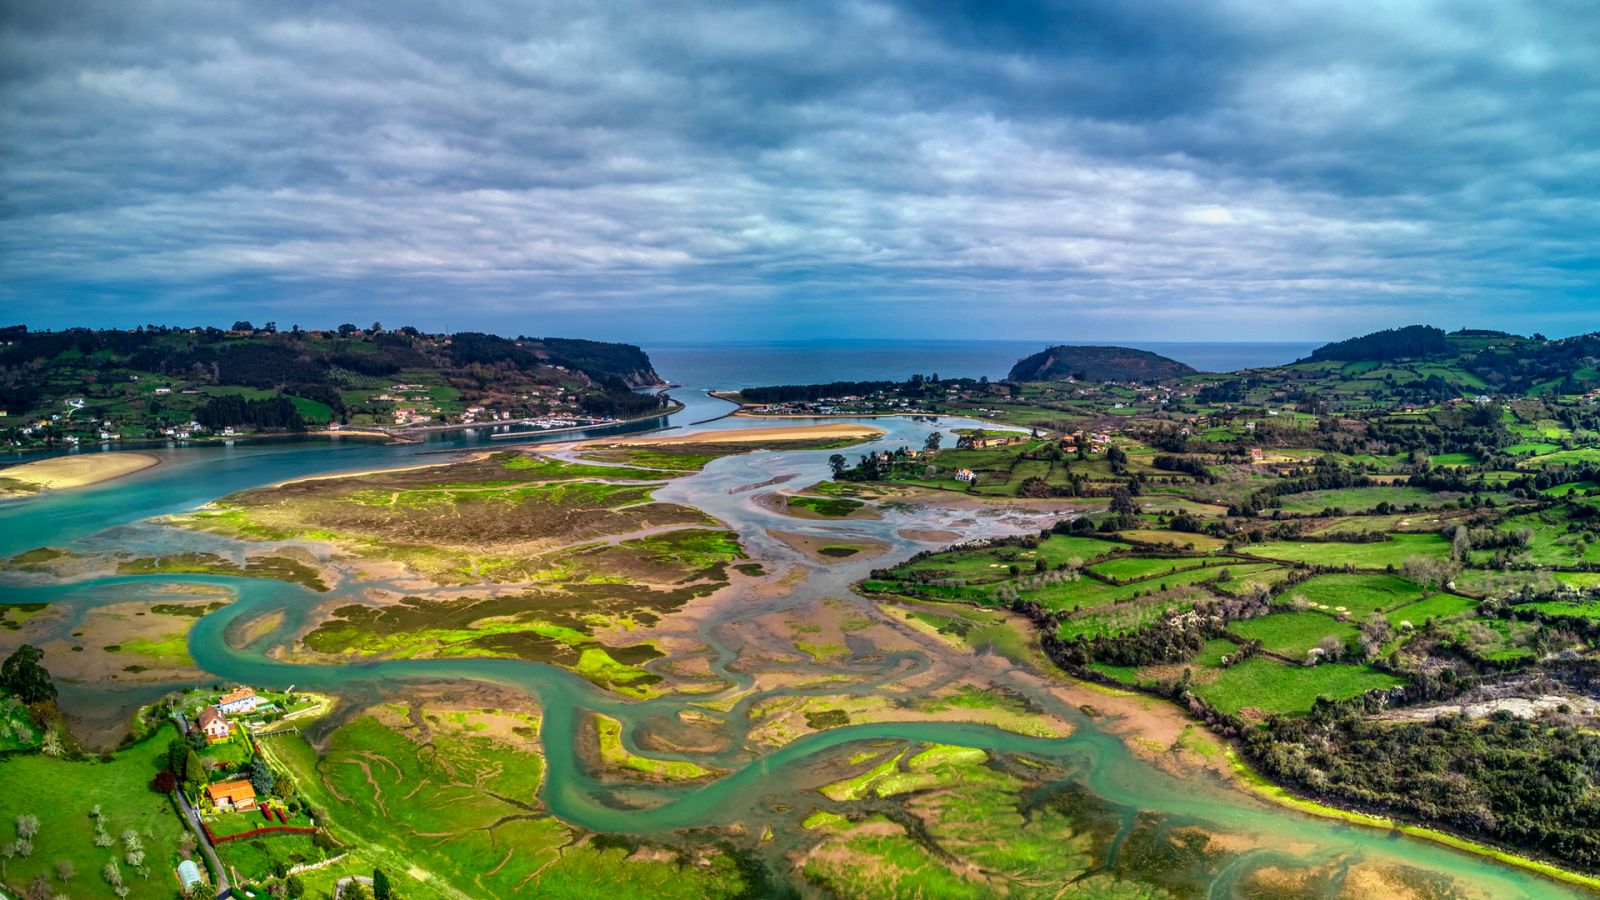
{"x":673,"y":408}
{"x":1258,"y":785}
{"x":467,"y":456}
{"x":395,"y":436}
{"x":757,"y":435}
{"x":743,"y":413}
{"x":66,"y":473}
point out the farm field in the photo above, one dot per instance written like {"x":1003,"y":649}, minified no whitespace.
{"x":1133,"y":568}
{"x":1439,"y":607}
{"x":1357,"y":595}
{"x":1374,"y":554}
{"x":62,"y":794}
{"x":1357,"y":500}
{"x":1088,"y":592}
{"x":1268,"y":686}
{"x":1294,"y":634}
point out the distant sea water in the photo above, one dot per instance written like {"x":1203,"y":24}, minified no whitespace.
{"x":733,"y":365}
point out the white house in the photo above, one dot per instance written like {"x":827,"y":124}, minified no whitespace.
{"x":239,"y":701}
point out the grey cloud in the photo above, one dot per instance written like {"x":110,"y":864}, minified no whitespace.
{"x":1303,"y":168}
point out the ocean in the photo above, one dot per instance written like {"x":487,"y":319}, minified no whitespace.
{"x":745,"y":364}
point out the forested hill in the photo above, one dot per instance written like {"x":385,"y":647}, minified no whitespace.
{"x":1410,"y":342}
{"x":143,"y":381}
{"x":1475,"y":360}
{"x":1097,"y":364}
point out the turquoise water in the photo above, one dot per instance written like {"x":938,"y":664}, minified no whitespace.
{"x":108,"y":516}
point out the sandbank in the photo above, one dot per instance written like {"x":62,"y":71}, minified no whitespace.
{"x":66,"y":472}
{"x":813,"y":546}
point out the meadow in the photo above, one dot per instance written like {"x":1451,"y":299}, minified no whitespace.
{"x":1294,"y":634}
{"x":1270,"y":686}
{"x":63,"y":793}
{"x":1369,"y":555}
{"x":1357,"y":595}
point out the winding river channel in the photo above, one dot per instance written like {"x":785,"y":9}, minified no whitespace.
{"x":114,"y":515}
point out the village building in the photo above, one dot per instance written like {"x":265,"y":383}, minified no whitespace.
{"x":214,"y":725}
{"x":229,"y":796}
{"x":966,"y":475}
{"x":239,"y":701}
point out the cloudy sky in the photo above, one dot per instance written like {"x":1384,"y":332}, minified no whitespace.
{"x":665,"y":170}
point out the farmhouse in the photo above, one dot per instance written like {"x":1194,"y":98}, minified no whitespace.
{"x":966,"y":475}
{"x":238,"y":701}
{"x":214,"y":724}
{"x":232,"y":795}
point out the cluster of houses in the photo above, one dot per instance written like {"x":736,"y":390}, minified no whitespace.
{"x":213,"y":722}
{"x":877,"y":402}
{"x":1092,"y":442}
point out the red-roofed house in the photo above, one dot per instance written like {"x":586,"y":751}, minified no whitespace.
{"x":232,"y":795}
{"x":239,"y":701}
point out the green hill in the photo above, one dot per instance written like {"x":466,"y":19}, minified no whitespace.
{"x":152,"y":381}
{"x":1091,"y":363}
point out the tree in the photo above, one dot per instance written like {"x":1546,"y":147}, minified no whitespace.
{"x":380,"y":886}
{"x":194,"y":771}
{"x":353,"y":890}
{"x":164,"y":783}
{"x":27,"y":825}
{"x":1428,"y":572}
{"x":52,"y":745}
{"x":177,"y":755}
{"x":933,"y":441}
{"x":261,"y":777}
{"x":836,"y":462}
{"x":112,"y":873}
{"x":65,"y":870}
{"x":1122,"y":502}
{"x":347,"y":328}
{"x":25,"y":678}
{"x":242,"y":325}
{"x":294,"y":886}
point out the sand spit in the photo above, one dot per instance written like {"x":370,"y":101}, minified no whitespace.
{"x":66,"y":472}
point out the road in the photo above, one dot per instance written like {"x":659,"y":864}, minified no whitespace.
{"x":193,"y":818}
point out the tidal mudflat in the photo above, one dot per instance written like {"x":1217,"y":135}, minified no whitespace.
{"x":614,"y":663}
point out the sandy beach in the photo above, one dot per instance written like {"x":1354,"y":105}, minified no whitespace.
{"x":67,"y":472}
{"x":760,"y":435}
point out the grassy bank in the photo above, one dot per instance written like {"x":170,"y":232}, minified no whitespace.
{"x":1257,"y":784}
